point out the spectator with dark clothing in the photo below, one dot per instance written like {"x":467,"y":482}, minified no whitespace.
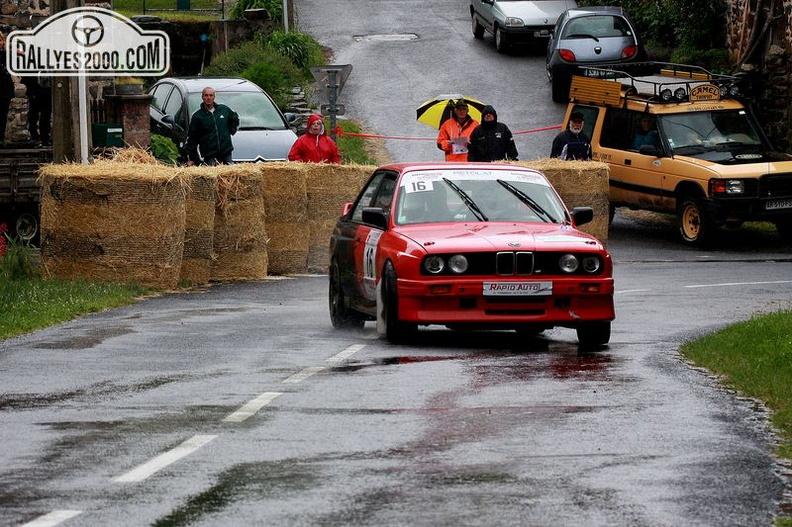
{"x":39,"y":118}
{"x":6,"y":89}
{"x":491,"y":140}
{"x":210,"y":131}
{"x":315,"y":146}
{"x":572,"y":143}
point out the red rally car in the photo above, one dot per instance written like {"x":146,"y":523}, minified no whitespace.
{"x":468,"y":246}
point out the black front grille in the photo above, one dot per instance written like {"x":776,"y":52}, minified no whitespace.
{"x":776,"y":186}
{"x":514,"y":263}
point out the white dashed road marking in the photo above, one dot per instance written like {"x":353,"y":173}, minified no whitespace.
{"x":52,"y":519}
{"x":171,"y":456}
{"x":251,"y":407}
{"x":345,"y":354}
{"x":740,"y":283}
{"x":307,"y":372}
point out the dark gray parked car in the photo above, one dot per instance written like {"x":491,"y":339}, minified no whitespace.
{"x":585,"y":36}
{"x":263,"y":135}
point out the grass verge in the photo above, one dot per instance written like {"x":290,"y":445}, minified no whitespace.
{"x":755,"y":358}
{"x":29,"y":304}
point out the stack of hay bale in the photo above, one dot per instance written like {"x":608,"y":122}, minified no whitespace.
{"x":131,"y":219}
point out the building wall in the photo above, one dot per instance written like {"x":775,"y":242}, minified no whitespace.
{"x":761,"y":45}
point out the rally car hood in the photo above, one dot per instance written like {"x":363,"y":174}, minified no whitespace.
{"x":494,"y":236}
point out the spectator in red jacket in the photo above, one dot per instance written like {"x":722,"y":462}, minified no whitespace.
{"x":315,"y":146}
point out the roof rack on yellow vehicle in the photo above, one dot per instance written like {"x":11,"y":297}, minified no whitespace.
{"x":662,"y":82}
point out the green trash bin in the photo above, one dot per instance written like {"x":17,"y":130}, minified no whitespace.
{"x":107,"y":134}
{"x":182,"y":5}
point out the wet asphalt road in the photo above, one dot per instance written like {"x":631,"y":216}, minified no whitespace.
{"x":240,"y":405}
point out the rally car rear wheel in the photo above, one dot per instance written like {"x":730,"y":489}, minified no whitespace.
{"x":340,"y":314}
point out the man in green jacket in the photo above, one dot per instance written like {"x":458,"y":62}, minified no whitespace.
{"x":211,"y":128}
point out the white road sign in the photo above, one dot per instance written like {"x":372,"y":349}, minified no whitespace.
{"x":88,"y":41}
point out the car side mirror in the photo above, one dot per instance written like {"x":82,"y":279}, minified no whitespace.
{"x":582,"y":215}
{"x":376,"y":217}
{"x":290,"y":117}
{"x":650,"y":150}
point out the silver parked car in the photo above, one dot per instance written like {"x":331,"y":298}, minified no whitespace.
{"x":511,"y":21}
{"x":263,"y":135}
{"x":589,"y":35}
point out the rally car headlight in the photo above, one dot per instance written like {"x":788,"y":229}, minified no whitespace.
{"x":458,"y":264}
{"x":591,"y":264}
{"x":568,"y":263}
{"x":434,"y":264}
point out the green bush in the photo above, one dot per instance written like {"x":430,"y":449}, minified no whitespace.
{"x":164,"y":149}
{"x":302,"y":49}
{"x":673,"y":24}
{"x":274,"y":8}
{"x":274,"y":73}
{"x":17,"y":263}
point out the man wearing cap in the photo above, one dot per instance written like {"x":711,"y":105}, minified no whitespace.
{"x":491,"y":140}
{"x":572,"y":143}
{"x":454,"y":136}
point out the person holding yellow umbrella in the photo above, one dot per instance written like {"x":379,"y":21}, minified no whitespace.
{"x":454,"y":135}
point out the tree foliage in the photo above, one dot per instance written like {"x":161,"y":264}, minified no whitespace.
{"x":681,"y":26}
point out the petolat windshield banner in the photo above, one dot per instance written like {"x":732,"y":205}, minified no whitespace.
{"x":88,"y":41}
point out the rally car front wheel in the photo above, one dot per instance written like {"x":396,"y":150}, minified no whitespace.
{"x":388,"y":321}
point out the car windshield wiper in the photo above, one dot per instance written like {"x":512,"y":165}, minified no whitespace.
{"x":689,"y":149}
{"x":258,"y":128}
{"x":525,"y":198}
{"x":467,"y":200}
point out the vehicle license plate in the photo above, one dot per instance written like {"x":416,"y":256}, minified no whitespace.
{"x":542,"y":33}
{"x":776,"y":204}
{"x":518,"y":288}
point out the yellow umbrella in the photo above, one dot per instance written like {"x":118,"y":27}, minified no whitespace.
{"x":435,"y":112}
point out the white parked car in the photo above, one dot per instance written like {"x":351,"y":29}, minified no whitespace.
{"x":512,"y":21}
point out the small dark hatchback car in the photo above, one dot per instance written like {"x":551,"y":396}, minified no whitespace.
{"x":468,"y":246}
{"x":263,"y":135}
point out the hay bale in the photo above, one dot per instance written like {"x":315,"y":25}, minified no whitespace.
{"x":239,"y":238}
{"x":198,"y":226}
{"x":580,"y":184}
{"x":329,"y":187}
{"x":285,"y":207}
{"x":112,"y":221}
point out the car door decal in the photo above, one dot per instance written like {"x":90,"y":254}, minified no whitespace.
{"x":370,"y":264}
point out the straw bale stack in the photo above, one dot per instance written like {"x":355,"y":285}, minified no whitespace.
{"x":240,"y":238}
{"x":580,"y":184}
{"x":198,"y":225}
{"x":285,"y":208}
{"x":112,"y":221}
{"x":329,"y":187}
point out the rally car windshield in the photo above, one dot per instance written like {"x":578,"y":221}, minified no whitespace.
{"x":695,"y":133}
{"x":465,"y":196}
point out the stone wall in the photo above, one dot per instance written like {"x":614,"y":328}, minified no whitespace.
{"x":760,"y":43}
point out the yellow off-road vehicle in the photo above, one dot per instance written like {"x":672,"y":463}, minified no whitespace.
{"x":679,"y":139}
